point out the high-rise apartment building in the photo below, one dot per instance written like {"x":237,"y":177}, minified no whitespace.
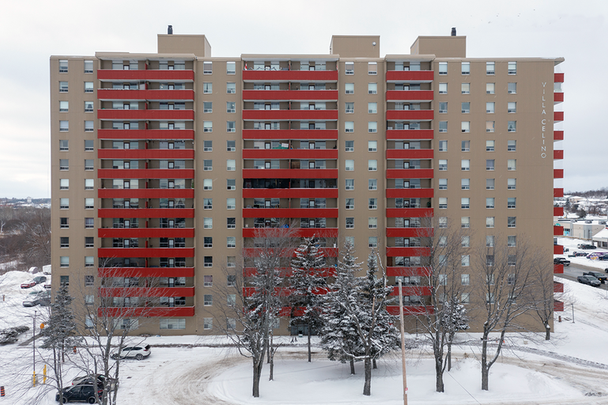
{"x":165,"y":164}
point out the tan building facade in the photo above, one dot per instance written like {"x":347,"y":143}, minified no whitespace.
{"x":166,"y":165}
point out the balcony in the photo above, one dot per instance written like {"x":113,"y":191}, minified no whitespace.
{"x":558,"y":116}
{"x":146,"y":115}
{"x":290,"y":75}
{"x":558,"y":306}
{"x":558,"y":154}
{"x":410,"y":193}
{"x":298,"y":232}
{"x":327,"y":252}
{"x":145,"y":173}
{"x":145,"y":154}
{"x":148,"y":312}
{"x":287,"y":134}
{"x":287,"y":95}
{"x":410,"y":115}
{"x":558,"y":269}
{"x":558,"y":173}
{"x":145,"y":193}
{"x":558,"y":287}
{"x":145,"y":232}
{"x":290,"y":154}
{"x":148,"y":75}
{"x":146,"y":292}
{"x":290,"y":193}
{"x":409,"y":95}
{"x":409,"y":153}
{"x":129,"y":134}
{"x":145,"y":213}
{"x":558,"y":250}
{"x":393,"y":271}
{"x":558,"y":192}
{"x":412,"y":290}
{"x":558,"y":98}
{"x":409,"y":212}
{"x":412,"y":76}
{"x":160,"y":95}
{"x":558,"y":230}
{"x":409,"y":134}
{"x":290,"y":115}
{"x":288,"y":271}
{"x":407,"y":251}
{"x":290,"y":212}
{"x":558,"y":211}
{"x":558,"y":135}
{"x":290,"y":173}
{"x":410,"y":309}
{"x":558,"y":77}
{"x":145,"y":252}
{"x":409,"y":173}
{"x":153,"y":272}
{"x":409,"y":233}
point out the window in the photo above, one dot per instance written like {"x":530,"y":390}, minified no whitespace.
{"x":207,"y":67}
{"x":64,"y":106}
{"x":443,"y":68}
{"x":207,"y":203}
{"x":465,"y":260}
{"x":89,"y":223}
{"x":207,"y":164}
{"x":207,"y":323}
{"x":63,"y":66}
{"x":443,"y":146}
{"x":89,"y":145}
{"x":349,"y":88}
{"x":208,"y":223}
{"x":89,"y":281}
{"x":89,"y":106}
{"x":207,"y":300}
{"x":350,"y":223}
{"x":489,"y":164}
{"x":230,"y":106}
{"x":178,"y":323}
{"x":207,"y":126}
{"x":89,"y":184}
{"x":350,"y":203}
{"x":230,"y":184}
{"x":230,"y":68}
{"x":512,"y":68}
{"x":511,"y":241}
{"x":372,"y":126}
{"x":372,"y":108}
{"x":465,"y":203}
{"x":349,"y":165}
{"x":372,"y":68}
{"x":89,"y":203}
{"x":465,"y":68}
{"x":490,"y":202}
{"x":64,"y":145}
{"x":465,"y":146}
{"x":63,"y":87}
{"x":231,"y":262}
{"x":511,"y":202}
{"x":443,"y":107}
{"x":64,"y":223}
{"x":443,"y":88}
{"x":207,"y":88}
{"x":490,"y":184}
{"x":349,"y":146}
{"x":511,"y":184}
{"x":372,"y":146}
{"x":349,"y":126}
{"x":443,"y":164}
{"x":372,"y":165}
{"x":512,"y":88}
{"x":231,"y":223}
{"x":465,"y":184}
{"x":512,"y":126}
{"x":489,"y":68}
{"x":443,"y":202}
{"x":207,"y":107}
{"x":231,"y":241}
{"x":443,"y":126}
{"x":372,"y":241}
{"x":373,"y":203}
{"x":465,"y":241}
{"x":64,"y":261}
{"x":443,"y":184}
{"x":230,"y":203}
{"x":465,"y":222}
{"x":372,"y":222}
{"x":350,"y":184}
{"x":489,"y":146}
{"x":489,"y":222}
{"x":465,"y":126}
{"x":465,"y":165}
{"x":207,"y":184}
{"x":64,"y":164}
{"x":89,"y":261}
{"x":490,"y":125}
{"x":230,"y":165}
{"x":490,"y":88}
{"x":64,"y":126}
{"x":349,"y":108}
{"x":490,"y":107}
{"x":465,"y":88}
{"x":230,"y":88}
{"x":511,"y":164}
{"x":511,"y":146}
{"x":88,"y":87}
{"x":443,"y":222}
{"x":372,"y":184}
{"x":208,"y":241}
{"x":349,"y":68}
{"x":89,"y":126}
{"x":64,"y":184}
{"x":465,"y":107}
{"x":64,"y":242}
{"x":512,"y":107}
{"x":372,"y":88}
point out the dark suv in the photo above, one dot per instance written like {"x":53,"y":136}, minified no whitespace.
{"x":598,"y":275}
{"x":561,"y":260}
{"x":79,"y":392}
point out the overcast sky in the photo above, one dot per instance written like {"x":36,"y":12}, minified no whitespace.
{"x":34,"y":30}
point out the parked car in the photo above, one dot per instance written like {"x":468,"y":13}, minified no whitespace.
{"x":577,"y":254}
{"x":585,"y":246}
{"x":80,"y":392}
{"x":132,"y":352}
{"x":37,"y":280}
{"x":561,"y":260}
{"x":589,"y":280}
{"x":100,"y":379}
{"x":603,"y":257}
{"x":598,"y":275}
{"x":42,"y":298}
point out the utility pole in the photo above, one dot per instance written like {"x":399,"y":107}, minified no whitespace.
{"x":402,"y":328}
{"x":34,"y":346}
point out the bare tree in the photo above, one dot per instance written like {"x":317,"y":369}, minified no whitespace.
{"x":541,"y":293}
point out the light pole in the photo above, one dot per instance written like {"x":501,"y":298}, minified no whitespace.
{"x":402,"y":328}
{"x":34,"y":346}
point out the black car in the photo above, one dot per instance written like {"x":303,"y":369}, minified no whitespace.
{"x":598,"y":275}
{"x":561,"y":260}
{"x":101,"y":380}
{"x":589,"y":280}
{"x":79,"y":393}
{"x":578,"y":254}
{"x":585,"y":246}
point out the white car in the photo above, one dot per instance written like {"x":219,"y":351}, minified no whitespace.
{"x":132,"y":352}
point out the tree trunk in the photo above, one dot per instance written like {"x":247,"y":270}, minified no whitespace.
{"x":484,"y":363}
{"x":309,"y":333}
{"x":367,"y":387}
{"x":271,"y":358}
{"x":439,"y":374}
{"x":374,"y":365}
{"x":257,"y":371}
{"x":449,"y":358}
{"x":352,"y":366}
{"x":547,"y":332}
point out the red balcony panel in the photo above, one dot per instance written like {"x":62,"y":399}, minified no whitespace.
{"x":558,"y":306}
{"x":288,"y":272}
{"x":145,"y":193}
{"x":558,"y":287}
{"x":558,"y":154}
{"x":408,"y":251}
{"x":145,"y":272}
{"x":290,"y":75}
{"x":145,"y":173}
{"x":393,"y":271}
{"x":127,"y":134}
{"x":150,"y":75}
{"x":409,"y":134}
{"x":290,"y":153}
{"x":145,"y":153}
{"x":558,"y":269}
{"x":558,"y":211}
{"x":409,"y":173}
{"x":409,"y":153}
{"x":558,"y":250}
{"x":298,"y":232}
{"x":412,"y":290}
{"x":290,"y":173}
{"x":120,"y":94}
{"x":558,"y":77}
{"x":410,"y":193}
{"x":286,"y":115}
{"x":418,"y":115}
{"x":409,"y":212}
{"x":409,"y":232}
{"x":558,"y":135}
{"x":409,"y":95}
{"x":148,"y":312}
{"x":558,"y":173}
{"x":145,"y":232}
{"x":285,"y":95}
{"x":145,"y":213}
{"x":138,"y":115}
{"x":327,"y":252}
{"x":287,"y":134}
{"x":145,"y":252}
{"x":290,"y":193}
{"x":410,"y":76}
{"x":146,"y":292}
{"x":290,"y":212}
{"x":410,"y":309}
{"x":558,"y":192}
{"x":558,"y":97}
{"x":558,"y":116}
{"x":558,"y":230}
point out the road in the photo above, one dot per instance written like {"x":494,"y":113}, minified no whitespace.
{"x":574,"y":270}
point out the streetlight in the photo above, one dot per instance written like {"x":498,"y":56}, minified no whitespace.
{"x":34,"y":346}
{"x":400,"y":281}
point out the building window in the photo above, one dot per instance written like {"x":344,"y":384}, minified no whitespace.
{"x":207,"y":203}
{"x":465,"y":184}
{"x":512,"y":68}
{"x":63,"y":87}
{"x":512,"y":107}
{"x":350,"y":203}
{"x":372,"y":108}
{"x":465,"y":126}
{"x":207,"y":88}
{"x":372,"y":126}
{"x":349,"y":146}
{"x":63,"y":66}
{"x":230,"y":126}
{"x":373,"y":203}
{"x":372,"y":165}
{"x":443,"y":165}
{"x":490,"y":184}
{"x":465,"y":165}
{"x":372,"y":222}
{"x":230,"y":165}
{"x":64,"y":223}
{"x":443,"y":68}
{"x":208,"y":241}
{"x":372,"y":242}
{"x":489,"y":68}
{"x":350,"y":184}
{"x":89,"y":223}
{"x":230,"y":107}
{"x":64,"y":184}
{"x":490,"y":88}
{"x":443,"y":126}
{"x":64,"y":106}
{"x":511,"y":164}
{"x":511,"y":222}
{"x":490,"y":164}
{"x":64,"y":242}
{"x":207,"y":107}
{"x":207,"y":67}
{"x":231,"y":262}
{"x":511,"y":146}
{"x":89,"y":184}
{"x":64,"y":145}
{"x":490,"y":126}
{"x":349,"y":88}
{"x":443,"y":202}
{"x":443,"y":88}
{"x":349,"y":68}
{"x":178,"y":323}
{"x":89,"y":126}
{"x":490,"y":202}
{"x":89,"y":106}
{"x":511,"y":184}
{"x":372,"y":184}
{"x":512,"y":88}
{"x":230,"y":68}
{"x":489,"y":222}
{"x":490,"y":107}
{"x":207,"y":184}
{"x":230,"y":88}
{"x":465,"y":88}
{"x":349,"y":126}
{"x":207,"y":323}
{"x":207,"y":164}
{"x":465,"y":68}
{"x":349,"y":165}
{"x":64,"y":261}
{"x":231,"y":242}
{"x":64,"y":164}
{"x":88,"y":66}
{"x":465,"y":146}
{"x":349,"y":108}
{"x":465,"y":241}
{"x":89,"y":261}
{"x":207,"y":126}
{"x":208,"y":223}
{"x":231,"y":223}
{"x":89,"y":281}
{"x":465,"y":260}
{"x":465,"y":107}
{"x":443,"y":107}
{"x":465,"y":222}
{"x":511,"y":202}
{"x":89,"y":203}
{"x":465,"y":203}
{"x":89,"y":145}
{"x":443,"y":222}
{"x":230,"y":203}
{"x":489,"y":146}
{"x":372,"y":68}
{"x":372,"y":88}
{"x":207,"y":300}
{"x":230,"y":184}
{"x":64,"y":126}
{"x":372,"y":146}
{"x":350,"y":223}
{"x":88,"y":87}
{"x":512,"y":126}
{"x":512,"y":241}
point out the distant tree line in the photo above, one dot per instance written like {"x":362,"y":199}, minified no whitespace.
{"x":25,"y":236}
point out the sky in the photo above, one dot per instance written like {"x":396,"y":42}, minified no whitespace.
{"x":36,"y":29}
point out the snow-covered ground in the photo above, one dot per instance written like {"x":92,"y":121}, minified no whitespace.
{"x":571,"y":368}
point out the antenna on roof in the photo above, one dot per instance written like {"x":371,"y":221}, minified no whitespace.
{"x":170,"y":30}
{"x":453,"y":31}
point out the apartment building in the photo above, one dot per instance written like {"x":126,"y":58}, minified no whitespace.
{"x":166,"y":165}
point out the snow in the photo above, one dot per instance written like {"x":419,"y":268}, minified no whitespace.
{"x":571,"y":368}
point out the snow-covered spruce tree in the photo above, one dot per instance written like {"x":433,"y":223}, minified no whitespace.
{"x":307,"y":284}
{"x":339,"y":335}
{"x":455,"y":320}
